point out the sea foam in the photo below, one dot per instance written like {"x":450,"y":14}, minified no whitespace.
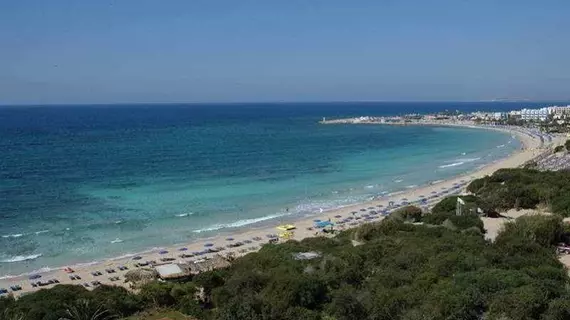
{"x":16,"y":235}
{"x":237,"y":224}
{"x":21,"y":258}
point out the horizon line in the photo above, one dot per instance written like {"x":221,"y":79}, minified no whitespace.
{"x":85,"y":104}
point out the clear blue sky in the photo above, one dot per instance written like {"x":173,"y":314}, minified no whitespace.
{"x":98,"y":51}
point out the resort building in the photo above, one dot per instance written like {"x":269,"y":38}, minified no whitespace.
{"x":535,"y":114}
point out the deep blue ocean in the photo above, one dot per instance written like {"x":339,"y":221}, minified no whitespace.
{"x":83,"y":183}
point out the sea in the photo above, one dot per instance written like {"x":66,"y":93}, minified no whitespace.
{"x":83,"y":183}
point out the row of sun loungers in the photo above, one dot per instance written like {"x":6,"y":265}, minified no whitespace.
{"x":43,"y":284}
{"x":14,"y":288}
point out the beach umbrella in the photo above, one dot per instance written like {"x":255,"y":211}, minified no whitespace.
{"x":208,"y":244}
{"x":379,"y":206}
{"x":362,"y":209}
{"x":354,"y":212}
{"x":163,"y":252}
{"x":317,"y":220}
{"x":443,"y":188}
{"x":434,"y":192}
{"x":421,"y":196}
{"x":370,"y":208}
{"x":34,"y":276}
{"x":137,"y":258}
{"x":338,"y":216}
{"x":229,"y":239}
{"x":404,"y":199}
{"x":182,"y":249}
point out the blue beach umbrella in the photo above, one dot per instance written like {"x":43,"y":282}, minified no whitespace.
{"x":338,"y":216}
{"x":317,"y":220}
{"x":229,"y":239}
{"x":163,"y":252}
{"x":34,"y":276}
{"x":182,"y":249}
{"x":208,"y":245}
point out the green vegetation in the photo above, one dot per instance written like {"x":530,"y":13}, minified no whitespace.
{"x":442,"y":268}
{"x":400,"y":271}
{"x":524,"y":189}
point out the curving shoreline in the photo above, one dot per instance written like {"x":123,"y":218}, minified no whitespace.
{"x":532,"y":148}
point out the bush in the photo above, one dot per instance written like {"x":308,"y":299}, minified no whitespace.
{"x":540,"y":229}
{"x":400,"y":271}
{"x":524,"y":188}
{"x":408,"y":213}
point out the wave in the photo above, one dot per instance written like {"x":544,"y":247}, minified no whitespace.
{"x":458,"y":162}
{"x":237,"y":224}
{"x":40,"y":270}
{"x":117,"y":240}
{"x":468,"y":159}
{"x":41,"y":231}
{"x":501,"y":146}
{"x":398,"y":180}
{"x":16,"y":235}
{"x":185,"y":214}
{"x":22,"y":258}
{"x":451,"y":164}
{"x":411,"y":186}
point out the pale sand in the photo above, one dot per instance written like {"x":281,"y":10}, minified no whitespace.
{"x":494,"y":225}
{"x":532,"y":148}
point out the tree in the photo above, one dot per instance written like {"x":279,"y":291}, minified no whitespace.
{"x":117,"y":300}
{"x":345,"y":305}
{"x":157,"y":294}
{"x":84,"y":309}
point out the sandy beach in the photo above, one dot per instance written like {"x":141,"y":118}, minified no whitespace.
{"x":255,"y":237}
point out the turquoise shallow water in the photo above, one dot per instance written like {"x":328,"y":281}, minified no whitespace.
{"x":83,"y":184}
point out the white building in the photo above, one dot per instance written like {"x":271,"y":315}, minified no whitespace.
{"x":499,"y":116}
{"x":535,"y":114}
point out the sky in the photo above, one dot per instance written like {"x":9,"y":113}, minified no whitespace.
{"x":126,"y":51}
